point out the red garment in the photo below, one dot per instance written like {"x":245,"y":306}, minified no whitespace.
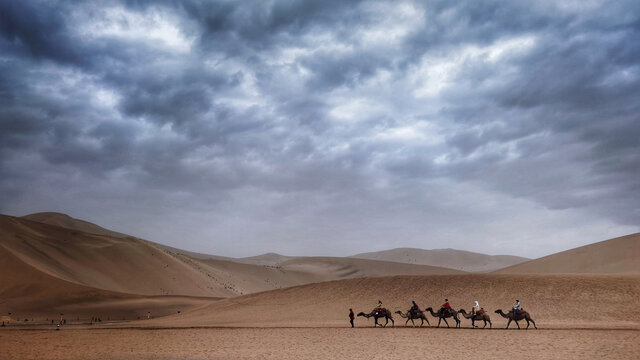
{"x":446,"y":305}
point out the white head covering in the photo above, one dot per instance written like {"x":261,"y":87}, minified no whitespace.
{"x":477,"y":305}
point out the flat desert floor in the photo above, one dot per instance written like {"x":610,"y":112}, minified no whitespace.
{"x":318,"y":343}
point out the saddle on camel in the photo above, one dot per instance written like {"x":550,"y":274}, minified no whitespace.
{"x":477,"y":312}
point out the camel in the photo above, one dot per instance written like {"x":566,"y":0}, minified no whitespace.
{"x":517,"y":317}
{"x":452,"y":313}
{"x":384,"y":313}
{"x":410,"y":315}
{"x":475,"y":317}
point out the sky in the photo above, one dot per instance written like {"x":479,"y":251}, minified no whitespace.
{"x":326,"y":127}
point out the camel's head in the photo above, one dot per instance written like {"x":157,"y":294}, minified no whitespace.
{"x":429,"y":308}
{"x":463,"y":311}
{"x":360,"y":314}
{"x":498,"y":311}
{"x":399,"y":312}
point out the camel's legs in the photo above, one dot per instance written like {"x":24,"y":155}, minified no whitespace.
{"x":517,"y":324}
{"x":439,"y":320}
{"x":534,"y":323}
{"x":445,"y":321}
{"x":508,"y":323}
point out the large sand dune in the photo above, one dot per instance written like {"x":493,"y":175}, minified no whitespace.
{"x":615,"y":256}
{"x":29,"y":293}
{"x":448,"y":258}
{"x":559,"y":301}
{"x":126,"y":265}
{"x":130,"y":265}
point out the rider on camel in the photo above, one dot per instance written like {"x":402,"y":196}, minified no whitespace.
{"x":379,"y":307}
{"x":517,"y":308}
{"x":446,"y":307}
{"x":415,"y":309}
{"x":475,"y":309}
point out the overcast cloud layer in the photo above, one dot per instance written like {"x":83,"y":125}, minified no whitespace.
{"x":326,"y":127}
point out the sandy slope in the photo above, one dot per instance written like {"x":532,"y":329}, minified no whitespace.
{"x":448,"y":258}
{"x":131,"y":265}
{"x":596,"y":301}
{"x":66,"y":221}
{"x":124,"y":265}
{"x":29,"y":293}
{"x":615,"y":256}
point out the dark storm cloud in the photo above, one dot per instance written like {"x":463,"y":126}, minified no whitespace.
{"x":280,"y":123}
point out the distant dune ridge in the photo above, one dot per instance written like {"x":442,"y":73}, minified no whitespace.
{"x":129,"y":265}
{"x":449,"y":258}
{"x":50,"y":263}
{"x":615,"y":256}
{"x":66,"y":221}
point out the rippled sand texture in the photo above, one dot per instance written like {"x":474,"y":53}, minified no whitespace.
{"x":319,"y":343}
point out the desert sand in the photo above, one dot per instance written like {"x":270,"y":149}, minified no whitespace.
{"x":585,"y":301}
{"x":319,"y":343}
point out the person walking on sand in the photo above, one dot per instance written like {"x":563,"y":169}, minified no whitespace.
{"x":351,"y":316}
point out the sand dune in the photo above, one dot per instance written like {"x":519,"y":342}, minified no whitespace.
{"x":271,"y":259}
{"x":448,"y":258}
{"x":560,"y":301}
{"x":135,"y":266}
{"x":29,"y":293}
{"x":50,"y":268}
{"x":126,"y":265}
{"x":66,"y":221}
{"x":616,"y":256}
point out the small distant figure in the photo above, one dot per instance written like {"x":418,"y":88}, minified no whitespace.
{"x":58,"y":327}
{"x":517,"y":307}
{"x":446,"y":307}
{"x":351,"y":317}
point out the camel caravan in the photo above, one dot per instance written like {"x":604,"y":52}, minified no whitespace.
{"x":477,"y":313}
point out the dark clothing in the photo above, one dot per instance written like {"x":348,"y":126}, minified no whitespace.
{"x":351,"y":317}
